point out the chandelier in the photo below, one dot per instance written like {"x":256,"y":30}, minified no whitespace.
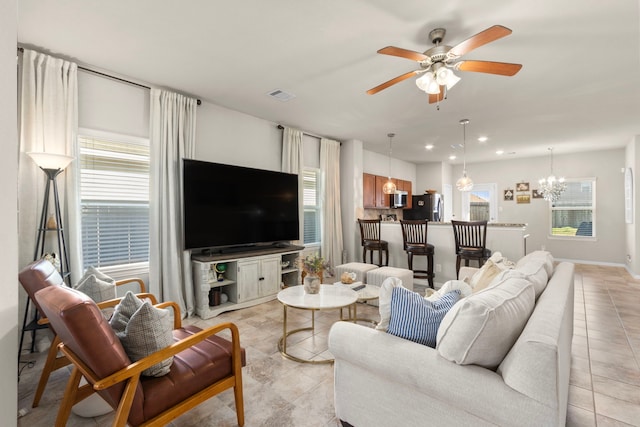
{"x":464,"y":183}
{"x":551,"y":187}
{"x":389,"y":187}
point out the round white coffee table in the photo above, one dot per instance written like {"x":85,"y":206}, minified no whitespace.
{"x":329,"y":298}
{"x":365,"y":293}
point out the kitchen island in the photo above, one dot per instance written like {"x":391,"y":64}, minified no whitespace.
{"x":507,"y":238}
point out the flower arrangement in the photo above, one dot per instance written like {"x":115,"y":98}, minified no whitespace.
{"x":314,"y":264}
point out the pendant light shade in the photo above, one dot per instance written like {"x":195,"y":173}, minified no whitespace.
{"x":389,"y":187}
{"x":551,"y":187}
{"x":464,"y":183}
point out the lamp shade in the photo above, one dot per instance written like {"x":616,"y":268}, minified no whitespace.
{"x":389,"y":187}
{"x":464,"y":183}
{"x":50,"y":161}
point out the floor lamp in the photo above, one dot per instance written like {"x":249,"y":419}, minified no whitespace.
{"x":52,"y":165}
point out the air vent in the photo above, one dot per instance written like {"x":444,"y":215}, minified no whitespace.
{"x":281,"y":95}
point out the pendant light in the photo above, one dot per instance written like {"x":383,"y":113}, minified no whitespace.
{"x":389,"y":187}
{"x":464,"y":183}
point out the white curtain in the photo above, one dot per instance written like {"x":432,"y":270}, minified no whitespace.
{"x":48,"y":123}
{"x":331,"y":216}
{"x":173,"y":130}
{"x":292,"y":162}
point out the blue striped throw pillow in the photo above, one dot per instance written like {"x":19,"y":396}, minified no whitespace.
{"x":417,"y":319}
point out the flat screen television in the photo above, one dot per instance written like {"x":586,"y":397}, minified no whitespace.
{"x":230,"y":206}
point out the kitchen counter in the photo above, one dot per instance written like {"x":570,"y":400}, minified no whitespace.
{"x":507,"y":238}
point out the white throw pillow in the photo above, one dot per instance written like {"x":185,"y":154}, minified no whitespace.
{"x":384,"y":301}
{"x":482,"y":328}
{"x":451,"y":285}
{"x":483,"y":277}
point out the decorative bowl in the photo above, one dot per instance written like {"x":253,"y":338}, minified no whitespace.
{"x":285,"y":264}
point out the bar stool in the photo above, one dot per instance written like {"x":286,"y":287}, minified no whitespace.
{"x":471,"y":239}
{"x":414,"y":238}
{"x":370,"y":240}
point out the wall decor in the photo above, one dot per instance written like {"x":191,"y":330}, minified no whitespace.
{"x":523,"y":198}
{"x":508,"y":195}
{"x":536,"y":194}
{"x":522,"y":186}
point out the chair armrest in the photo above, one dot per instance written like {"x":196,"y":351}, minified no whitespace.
{"x":177,"y":317}
{"x":140,"y":282}
{"x":136,"y":368}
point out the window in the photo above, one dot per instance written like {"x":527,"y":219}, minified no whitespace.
{"x":480,"y":204}
{"x":573,"y":214}
{"x":312,"y":208}
{"x":114,"y":193}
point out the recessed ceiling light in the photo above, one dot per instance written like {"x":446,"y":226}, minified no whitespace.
{"x":452,"y":157}
{"x":500,"y":152}
{"x":483,"y":139}
{"x":429,"y":146}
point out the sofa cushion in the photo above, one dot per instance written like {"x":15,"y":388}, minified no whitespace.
{"x":481,"y":328}
{"x":384,"y":301}
{"x":417,"y":319}
{"x":534,"y":271}
{"x":143,"y":329}
{"x":543,"y":256}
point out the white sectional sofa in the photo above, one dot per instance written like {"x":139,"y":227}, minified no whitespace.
{"x":384,"y":380}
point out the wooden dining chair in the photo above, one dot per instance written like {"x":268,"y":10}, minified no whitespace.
{"x":470,"y":240}
{"x":370,"y":240}
{"x":414,"y":239}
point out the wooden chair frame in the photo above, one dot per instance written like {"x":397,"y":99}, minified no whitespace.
{"x":130,"y":375}
{"x":54,"y":361}
{"x":470,"y":240}
{"x":370,"y":241}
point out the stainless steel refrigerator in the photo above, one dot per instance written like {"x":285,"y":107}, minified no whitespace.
{"x":425,"y":206}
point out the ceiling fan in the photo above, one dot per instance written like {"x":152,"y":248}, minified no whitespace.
{"x":436,"y":64}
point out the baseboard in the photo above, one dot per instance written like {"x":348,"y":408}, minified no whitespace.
{"x":606,"y":264}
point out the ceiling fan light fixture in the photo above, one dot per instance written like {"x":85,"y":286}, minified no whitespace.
{"x":452,"y":80}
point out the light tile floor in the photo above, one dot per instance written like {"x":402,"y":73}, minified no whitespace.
{"x":605,"y":373}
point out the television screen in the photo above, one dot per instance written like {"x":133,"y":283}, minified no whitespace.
{"x":227,"y":205}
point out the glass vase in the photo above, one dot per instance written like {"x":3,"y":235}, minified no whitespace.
{"x":311,"y":283}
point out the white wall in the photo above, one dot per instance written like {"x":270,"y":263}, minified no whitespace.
{"x":632,"y":160}
{"x":378,"y":164}
{"x":429,"y":177}
{"x":8,"y":214}
{"x":604,"y":165}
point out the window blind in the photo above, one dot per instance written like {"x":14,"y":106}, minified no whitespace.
{"x":311,"y":200}
{"x":114,"y":192}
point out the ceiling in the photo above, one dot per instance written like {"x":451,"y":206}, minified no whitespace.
{"x":579,"y":88}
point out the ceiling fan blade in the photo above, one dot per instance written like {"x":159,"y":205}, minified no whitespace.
{"x":391,"y":82}
{"x":403,"y":53}
{"x":483,"y":37}
{"x":501,"y":68}
{"x":436,"y":97}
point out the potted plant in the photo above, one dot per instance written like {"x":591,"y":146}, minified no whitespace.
{"x":313,"y":268}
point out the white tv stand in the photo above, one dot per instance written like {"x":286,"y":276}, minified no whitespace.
{"x":251,"y":277}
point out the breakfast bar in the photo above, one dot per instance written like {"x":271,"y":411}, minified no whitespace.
{"x":506,"y":238}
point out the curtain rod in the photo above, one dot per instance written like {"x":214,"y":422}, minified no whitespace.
{"x":308,"y":134}
{"x":80,"y":67}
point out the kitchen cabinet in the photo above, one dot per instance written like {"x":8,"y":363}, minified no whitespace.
{"x":368,"y":190}
{"x":372,"y":195}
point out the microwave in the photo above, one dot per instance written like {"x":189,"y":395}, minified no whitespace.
{"x":399,"y":199}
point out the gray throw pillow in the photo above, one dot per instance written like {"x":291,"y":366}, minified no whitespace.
{"x":143,"y":329}
{"x":96,"y":288}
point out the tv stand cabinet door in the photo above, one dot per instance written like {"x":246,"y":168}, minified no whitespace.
{"x":248,"y":276}
{"x":270,"y":276}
